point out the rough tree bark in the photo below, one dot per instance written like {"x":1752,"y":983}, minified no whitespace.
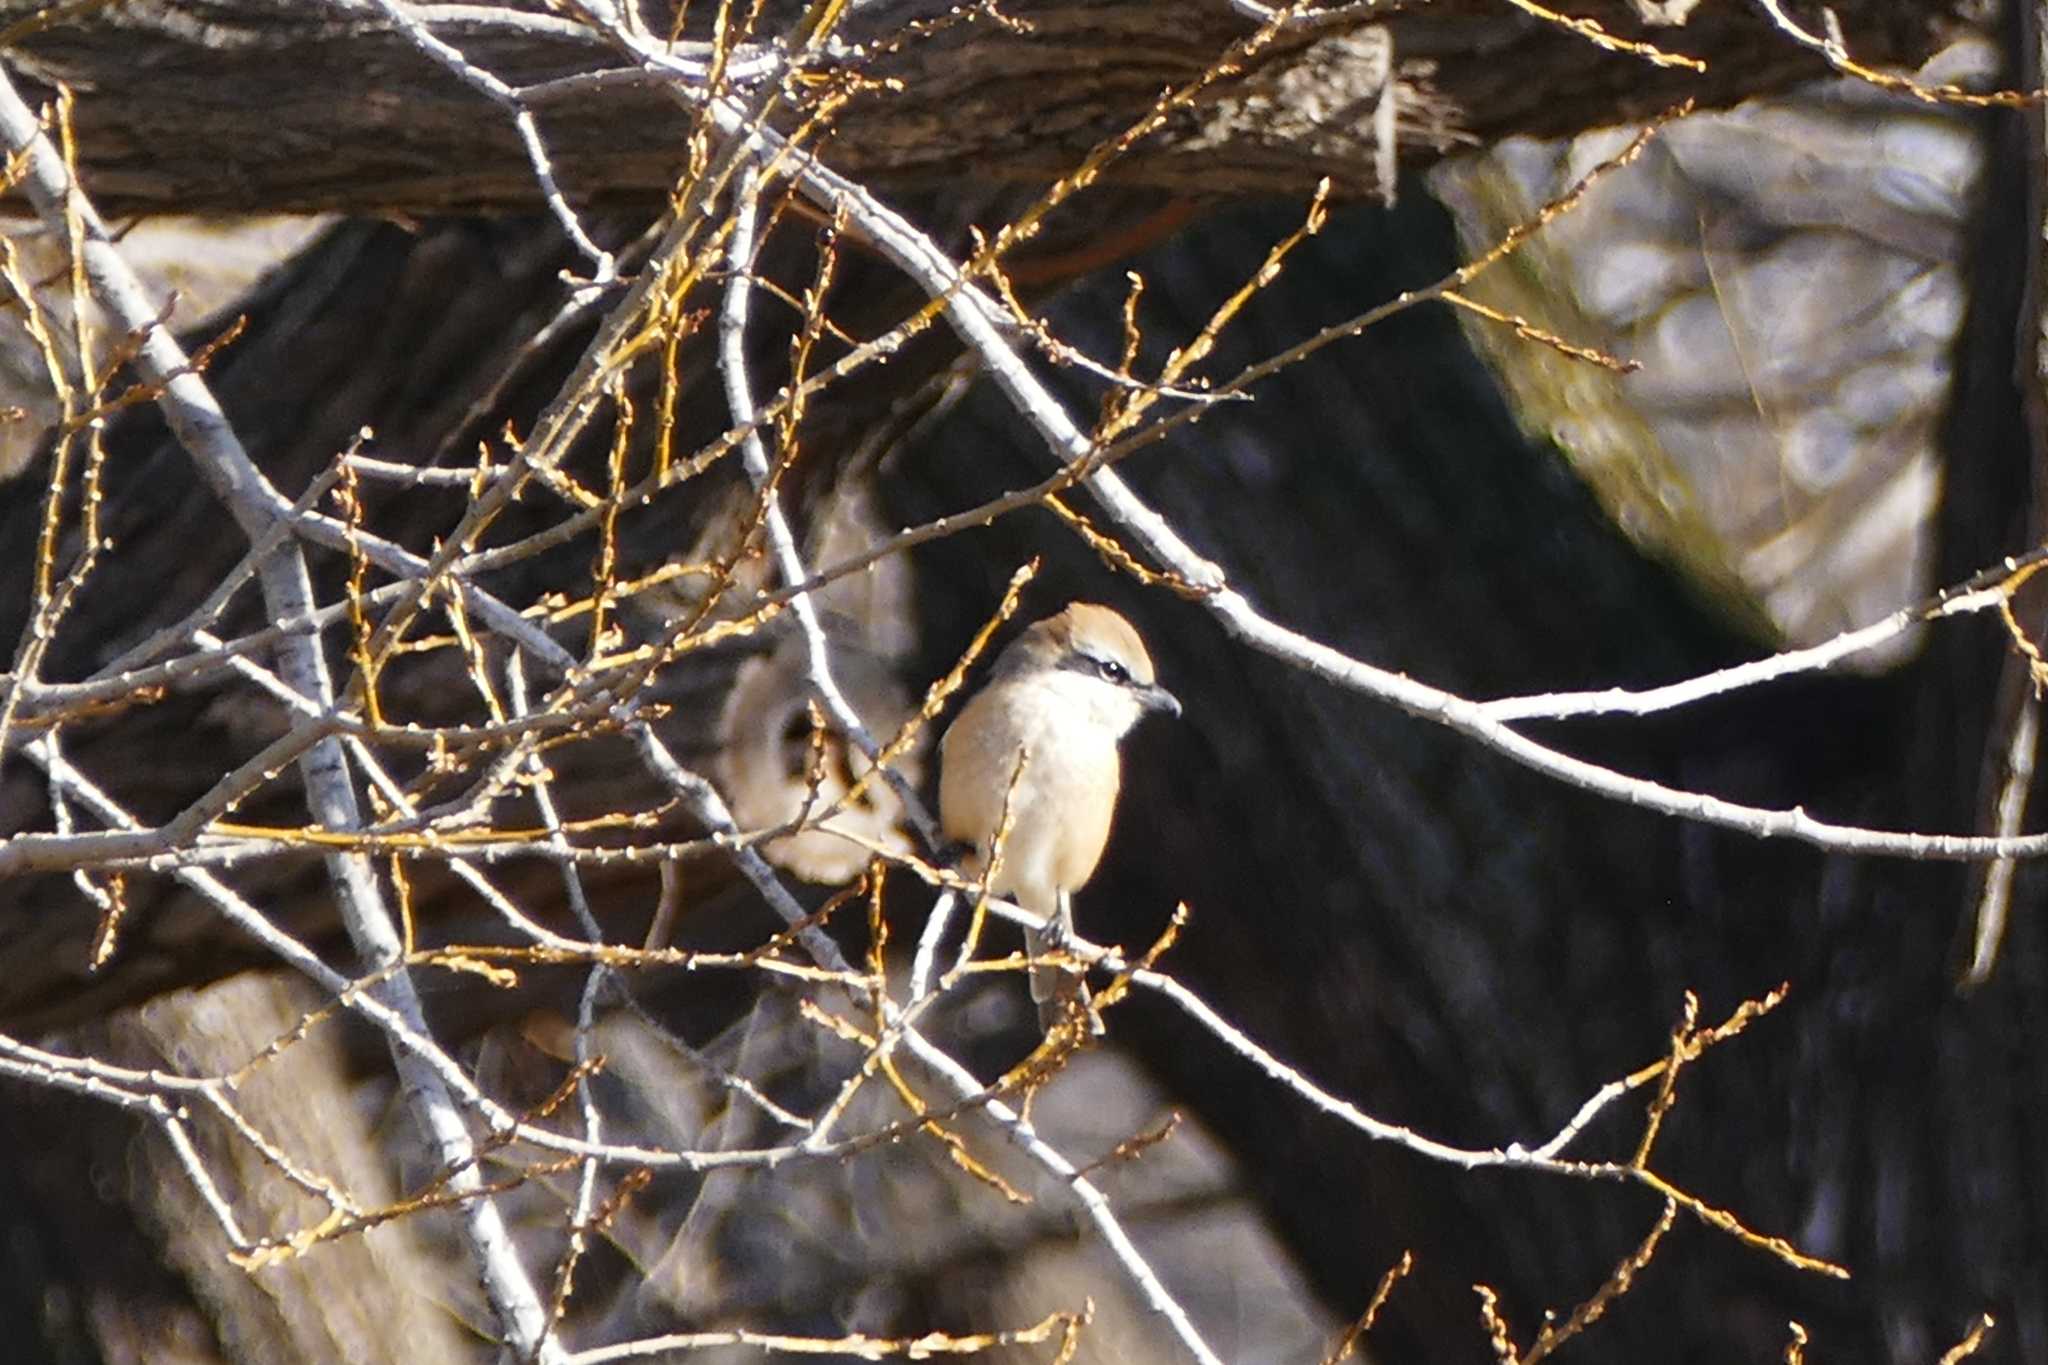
{"x":274,"y":105}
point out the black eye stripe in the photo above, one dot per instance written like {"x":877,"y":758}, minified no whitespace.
{"x":1109,"y":669}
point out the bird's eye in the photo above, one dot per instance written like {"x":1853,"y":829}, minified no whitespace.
{"x":1112,"y":670}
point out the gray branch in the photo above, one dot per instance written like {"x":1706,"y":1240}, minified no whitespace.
{"x":203,"y":429}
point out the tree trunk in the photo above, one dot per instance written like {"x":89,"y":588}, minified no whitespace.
{"x":251,"y":106}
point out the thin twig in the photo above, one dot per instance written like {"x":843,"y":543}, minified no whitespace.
{"x":732,"y":356}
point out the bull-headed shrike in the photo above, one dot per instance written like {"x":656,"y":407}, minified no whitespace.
{"x":1060,"y":699}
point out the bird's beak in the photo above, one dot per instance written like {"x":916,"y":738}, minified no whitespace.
{"x":1156,"y":698}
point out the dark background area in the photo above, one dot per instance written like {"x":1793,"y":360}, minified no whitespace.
{"x":1471,"y":949}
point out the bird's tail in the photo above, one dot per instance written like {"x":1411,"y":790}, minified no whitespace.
{"x":1059,"y":989}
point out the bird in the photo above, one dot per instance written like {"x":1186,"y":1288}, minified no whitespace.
{"x":1042,"y":738}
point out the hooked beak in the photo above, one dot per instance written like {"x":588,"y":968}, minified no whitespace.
{"x":1156,"y":698}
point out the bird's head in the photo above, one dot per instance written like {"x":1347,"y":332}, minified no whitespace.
{"x":1093,"y":663}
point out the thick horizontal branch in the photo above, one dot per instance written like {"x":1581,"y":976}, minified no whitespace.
{"x":277,"y":105}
